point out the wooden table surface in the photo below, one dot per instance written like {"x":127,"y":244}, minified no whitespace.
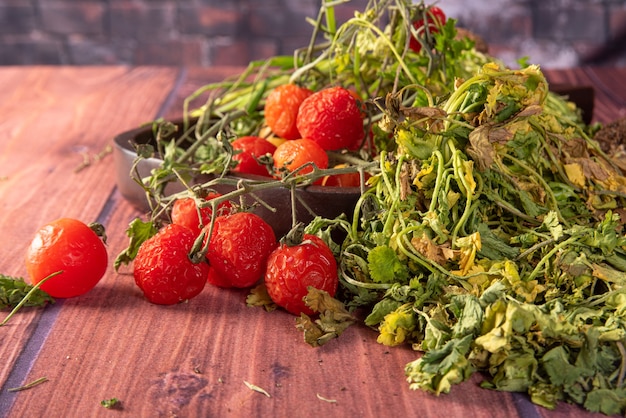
{"x":191,"y":359}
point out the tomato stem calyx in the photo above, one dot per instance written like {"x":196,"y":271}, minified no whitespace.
{"x":99,"y":229}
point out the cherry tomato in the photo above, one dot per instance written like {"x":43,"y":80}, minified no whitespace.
{"x":293,"y":154}
{"x":332,"y":118}
{"x":252,"y":147}
{"x":238,"y":248}
{"x":70,"y":246}
{"x":281,"y":109}
{"x":343,"y":180}
{"x":292,"y":269}
{"x":185,"y":212}
{"x":436,"y":17}
{"x":163,"y":270}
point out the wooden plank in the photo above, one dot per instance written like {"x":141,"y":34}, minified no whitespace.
{"x":66,"y":115}
{"x":52,"y":117}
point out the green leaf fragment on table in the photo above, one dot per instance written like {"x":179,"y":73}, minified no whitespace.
{"x":258,"y":296}
{"x":439,"y":369}
{"x":32,"y":384}
{"x":112,"y":403}
{"x":608,"y":402}
{"x":14,"y":289}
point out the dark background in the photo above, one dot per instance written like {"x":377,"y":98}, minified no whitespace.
{"x":552,"y":33}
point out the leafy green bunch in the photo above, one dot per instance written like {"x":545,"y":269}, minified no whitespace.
{"x":492,"y":241}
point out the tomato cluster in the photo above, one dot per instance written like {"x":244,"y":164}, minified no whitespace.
{"x":173,"y":265}
{"x":68,"y":258}
{"x":237,"y":251}
{"x":305,"y":125}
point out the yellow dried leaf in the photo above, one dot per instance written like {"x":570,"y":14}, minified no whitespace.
{"x":575,"y":174}
{"x":427,"y":247}
{"x":469,"y":176}
{"x":469,"y":246}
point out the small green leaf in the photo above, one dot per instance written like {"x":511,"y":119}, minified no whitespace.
{"x":138,"y":231}
{"x":258,"y":296}
{"x":112,"y":403}
{"x":333,"y":319}
{"x":385,"y":267}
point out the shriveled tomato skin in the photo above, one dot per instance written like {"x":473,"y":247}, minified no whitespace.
{"x":238,"y":249}
{"x":71,"y":246}
{"x":163,"y":270}
{"x":332,"y":118}
{"x":292,"y":269}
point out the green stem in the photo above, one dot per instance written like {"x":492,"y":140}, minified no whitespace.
{"x":459,"y":174}
{"x":438,"y":181}
{"x":29,"y":385}
{"x":549,"y":255}
{"x":212,"y":131}
{"x":540,"y":179}
{"x":329,"y":13}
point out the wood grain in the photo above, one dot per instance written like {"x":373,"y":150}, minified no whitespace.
{"x":52,"y":119}
{"x":187,"y":360}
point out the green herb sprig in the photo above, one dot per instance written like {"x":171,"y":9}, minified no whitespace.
{"x":13,"y":291}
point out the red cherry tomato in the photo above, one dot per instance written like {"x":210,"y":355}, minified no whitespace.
{"x":291,"y":155}
{"x":292,"y":269}
{"x":343,"y":180}
{"x":436,"y":17}
{"x":251,"y":147}
{"x":238,"y":249}
{"x":185,"y":212}
{"x":332,"y":118}
{"x":70,"y":246}
{"x":163,"y":270}
{"x":281,"y":109}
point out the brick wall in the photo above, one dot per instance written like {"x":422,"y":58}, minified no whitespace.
{"x":553,"y":33}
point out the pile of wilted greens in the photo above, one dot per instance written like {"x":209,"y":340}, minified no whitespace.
{"x":491,"y":238}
